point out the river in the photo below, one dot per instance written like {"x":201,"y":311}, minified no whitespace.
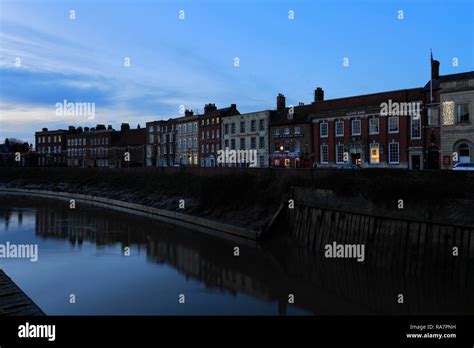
{"x":94,"y":261}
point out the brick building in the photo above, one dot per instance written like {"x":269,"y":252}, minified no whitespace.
{"x":374,"y":130}
{"x":290,"y":134}
{"x":51,"y":147}
{"x":103,"y":146}
{"x":211,"y":132}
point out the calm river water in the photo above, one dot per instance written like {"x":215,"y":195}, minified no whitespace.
{"x":81,"y":252}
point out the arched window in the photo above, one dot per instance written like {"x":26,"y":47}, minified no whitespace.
{"x":464,"y":153}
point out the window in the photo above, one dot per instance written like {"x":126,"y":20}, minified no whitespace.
{"x":261,"y":142}
{"x":339,"y":153}
{"x":150,"y":129}
{"x":207,"y":134}
{"x":339,"y":128}
{"x":287,"y":131}
{"x":276,"y":147}
{"x":261,"y":125}
{"x":184,"y":143}
{"x":232,"y":128}
{"x":253,"y":126}
{"x":226,"y":144}
{"x":276,"y":132}
{"x":195,"y":126}
{"x":415,"y":127}
{"x":232,"y":144}
{"x":226,"y":128}
{"x":374,"y":153}
{"x":393,"y":153}
{"x":323,"y":130}
{"x":297,"y":146}
{"x":179,"y":129}
{"x":324,"y":154}
{"x":374,"y":125}
{"x":179,"y":143}
{"x":242,"y":143}
{"x":463,"y":112}
{"x":242,"y":127}
{"x":262,"y":161}
{"x":253,"y":143}
{"x":287,"y":146}
{"x":433,"y":118}
{"x":297,"y":130}
{"x":195,"y":144}
{"x":393,"y":124}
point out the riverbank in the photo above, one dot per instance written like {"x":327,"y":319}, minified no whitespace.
{"x":245,"y":198}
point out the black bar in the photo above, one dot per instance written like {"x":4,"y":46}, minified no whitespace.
{"x":134,"y":331}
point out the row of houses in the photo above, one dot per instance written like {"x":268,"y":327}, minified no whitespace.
{"x":428,"y":127}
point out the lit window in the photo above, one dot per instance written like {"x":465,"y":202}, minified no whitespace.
{"x":374,"y":154}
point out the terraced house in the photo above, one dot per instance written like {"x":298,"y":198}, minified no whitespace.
{"x":290,"y":134}
{"x":187,"y":133}
{"x":247,"y":132}
{"x":211,"y":132}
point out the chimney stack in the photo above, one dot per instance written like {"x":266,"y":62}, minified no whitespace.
{"x":188,"y":112}
{"x":318,"y":94}
{"x":209,"y":107}
{"x":434,"y":69}
{"x":281,"y":103}
{"x":124,"y":127}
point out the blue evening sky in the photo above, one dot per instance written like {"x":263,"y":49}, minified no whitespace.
{"x":190,"y":62}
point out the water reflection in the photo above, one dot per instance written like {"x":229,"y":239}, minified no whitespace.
{"x":81,"y":252}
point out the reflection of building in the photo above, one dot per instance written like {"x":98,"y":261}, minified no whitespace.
{"x":457,"y":123}
{"x":248,"y":132}
{"x":187,"y":146}
{"x":210,"y":132}
{"x":290,"y":134}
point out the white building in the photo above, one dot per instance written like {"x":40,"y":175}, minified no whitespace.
{"x":245,"y":133}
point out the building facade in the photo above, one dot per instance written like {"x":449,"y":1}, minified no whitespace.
{"x":51,"y":147}
{"x":187,"y":145}
{"x":457,"y":122}
{"x":90,"y":147}
{"x":290,"y":134}
{"x":153,"y":142}
{"x":247,"y":133}
{"x":211,"y":132}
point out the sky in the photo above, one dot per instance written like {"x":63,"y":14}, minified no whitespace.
{"x":187,"y":59}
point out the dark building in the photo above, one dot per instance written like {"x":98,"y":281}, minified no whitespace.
{"x":211,"y":131}
{"x":51,"y":147}
{"x":290,"y":134}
